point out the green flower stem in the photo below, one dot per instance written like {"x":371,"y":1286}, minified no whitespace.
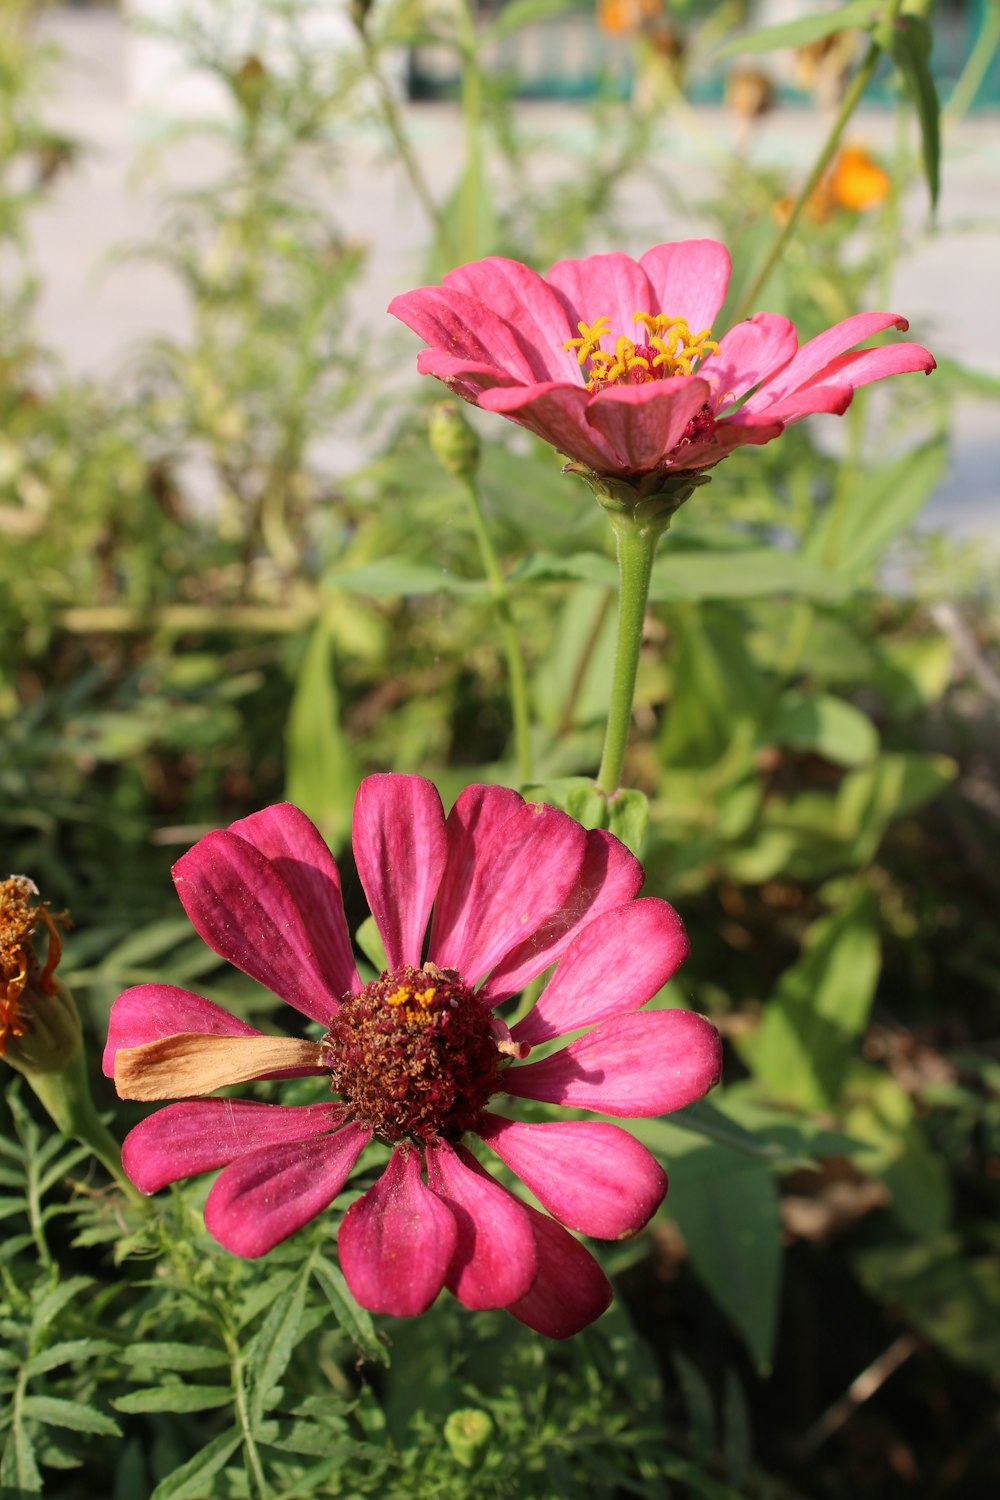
{"x":637,"y":538}
{"x":849,"y":103}
{"x":977,"y":65}
{"x":67,"y":1098}
{"x":517,"y":681}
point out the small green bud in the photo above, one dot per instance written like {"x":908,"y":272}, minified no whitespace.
{"x":453,"y":442}
{"x":468,"y":1432}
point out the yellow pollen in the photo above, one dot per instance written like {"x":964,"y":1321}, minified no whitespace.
{"x":677,"y":350}
{"x":415,"y":1004}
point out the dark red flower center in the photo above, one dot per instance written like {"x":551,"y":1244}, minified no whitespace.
{"x":414,"y":1054}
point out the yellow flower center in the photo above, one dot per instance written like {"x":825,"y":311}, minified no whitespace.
{"x":668,"y":348}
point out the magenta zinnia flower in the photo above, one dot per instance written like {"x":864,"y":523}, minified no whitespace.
{"x":614,"y":362}
{"x":416,"y":1056}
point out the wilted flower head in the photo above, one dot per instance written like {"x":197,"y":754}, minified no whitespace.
{"x":616,"y":364}
{"x":37,"y":1029}
{"x":417,"y":1056}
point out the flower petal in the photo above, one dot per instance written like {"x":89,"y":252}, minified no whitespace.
{"x":807,"y":402}
{"x":591,"y":1176}
{"x":557,"y":413}
{"x":477,"y":815}
{"x":523,"y":875}
{"x":147,"y":1012}
{"x":465,"y":377}
{"x":815,"y":355}
{"x":748,"y":354}
{"x":459,"y":324}
{"x":644,"y":1064}
{"x":294,"y":846}
{"x":737,"y":431}
{"x":400,"y":847}
{"x":260,"y":1199}
{"x":185,"y":1139}
{"x":239,"y":904}
{"x":397,"y":1241}
{"x":642,"y":423}
{"x":688,"y":280}
{"x":569,"y":1291}
{"x":614,"y":965}
{"x":865,"y":365}
{"x":191,"y":1063}
{"x":610,"y":875}
{"x":494,"y":1261}
{"x":528,"y":304}
{"x":602,"y":286}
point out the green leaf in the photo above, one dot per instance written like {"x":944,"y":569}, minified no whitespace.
{"x":853,"y":532}
{"x":69,"y":1351}
{"x":911,"y":43}
{"x":18,"y":1469}
{"x":273,"y":1345}
{"x":521,"y":13}
{"x":189,"y":1482}
{"x":370,"y":942}
{"x":55,"y":1412}
{"x":177,"y":1396}
{"x":860,"y":14}
{"x":750,"y":573}
{"x":165,"y":1356}
{"x":628,"y":817}
{"x":396,"y":578}
{"x":320,"y":774}
{"x":726,"y":1206}
{"x":953,"y":1298}
{"x":823,"y":725}
{"x":880,"y":1112}
{"x":803,"y":1046}
{"x":354,"y":1320}
{"x":868,"y":800}
{"x":52,"y":1304}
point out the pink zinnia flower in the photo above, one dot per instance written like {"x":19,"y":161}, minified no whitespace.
{"x":614,"y":362}
{"x":417,"y":1055}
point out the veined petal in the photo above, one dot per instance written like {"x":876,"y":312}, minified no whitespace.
{"x":451,"y":320}
{"x":527,"y":303}
{"x":524,"y":873}
{"x":643,"y":1064}
{"x":464,"y":377}
{"x":494,"y":1261}
{"x":865,"y":365}
{"x":642,"y":423}
{"x":294,"y":846}
{"x":476,"y":816}
{"x":614,"y":965}
{"x":191,"y":1063}
{"x":807,"y":402}
{"x":688,"y":279}
{"x":557,"y":413}
{"x":400,"y":847}
{"x":610,"y":875}
{"x":748,"y":354}
{"x":196,"y":1136}
{"x":397,"y":1241}
{"x":812,"y":358}
{"x":611,"y":286}
{"x":569,"y":1291}
{"x":260,"y":1199}
{"x":243,"y":909}
{"x":592,"y":1177}
{"x":148,"y":1012}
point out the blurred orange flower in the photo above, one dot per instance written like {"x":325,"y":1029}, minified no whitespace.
{"x":855,"y":181}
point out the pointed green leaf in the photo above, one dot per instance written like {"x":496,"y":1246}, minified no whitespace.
{"x":354,"y":1320}
{"x":55,"y":1412}
{"x":177,"y":1396}
{"x":911,"y":50}
{"x":190,"y":1481}
{"x":320,"y":775}
{"x":860,"y":13}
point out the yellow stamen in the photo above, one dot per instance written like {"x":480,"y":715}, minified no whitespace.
{"x":590,"y":339}
{"x":678,"y":351}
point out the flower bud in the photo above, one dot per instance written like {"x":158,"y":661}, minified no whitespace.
{"x":467,"y":1433}
{"x":453,"y":442}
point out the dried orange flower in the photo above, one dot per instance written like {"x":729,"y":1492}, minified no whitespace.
{"x":20,"y":971}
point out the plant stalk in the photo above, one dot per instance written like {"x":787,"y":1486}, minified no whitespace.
{"x":637,"y":540}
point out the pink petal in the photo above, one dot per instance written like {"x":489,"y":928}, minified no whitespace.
{"x":523,"y":875}
{"x":477,"y":815}
{"x":642,"y":423}
{"x":807,"y":402}
{"x":464,"y":377}
{"x":243,"y":909}
{"x":598,"y":286}
{"x":400,"y":847}
{"x":298,"y":852}
{"x":866,"y":365}
{"x":643,"y":1064}
{"x":557,"y":413}
{"x":748,"y":354}
{"x":688,"y":280}
{"x":593,"y":1177}
{"x":459,"y":324}
{"x":614,"y":965}
{"x":494,"y":1261}
{"x":260,"y":1199}
{"x":818,"y":352}
{"x":198,"y":1136}
{"x":734,"y":432}
{"x":610,"y":875}
{"x":397,"y":1241}
{"x":149,"y":1012}
{"x":528,"y":304}
{"x":569,"y":1291}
